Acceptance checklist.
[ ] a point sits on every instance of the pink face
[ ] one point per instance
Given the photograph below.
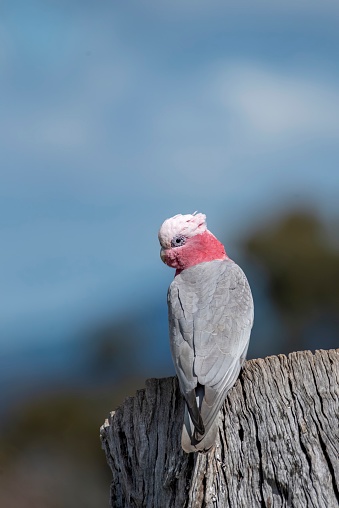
(185, 252)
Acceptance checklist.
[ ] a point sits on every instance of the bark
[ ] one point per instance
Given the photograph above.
(278, 441)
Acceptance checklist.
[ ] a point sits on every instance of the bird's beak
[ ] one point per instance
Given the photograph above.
(163, 255)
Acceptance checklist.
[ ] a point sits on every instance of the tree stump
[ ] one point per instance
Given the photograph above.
(278, 441)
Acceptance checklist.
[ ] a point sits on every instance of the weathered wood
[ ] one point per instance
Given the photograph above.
(278, 444)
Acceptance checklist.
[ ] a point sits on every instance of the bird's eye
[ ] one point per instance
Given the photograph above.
(178, 241)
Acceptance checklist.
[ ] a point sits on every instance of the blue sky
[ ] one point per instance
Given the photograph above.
(116, 115)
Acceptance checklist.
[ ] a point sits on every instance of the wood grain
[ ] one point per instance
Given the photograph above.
(278, 443)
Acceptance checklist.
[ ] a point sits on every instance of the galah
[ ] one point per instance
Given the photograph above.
(210, 310)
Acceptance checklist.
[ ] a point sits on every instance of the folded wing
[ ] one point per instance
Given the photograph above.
(210, 319)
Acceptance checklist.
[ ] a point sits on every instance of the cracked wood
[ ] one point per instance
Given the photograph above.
(278, 443)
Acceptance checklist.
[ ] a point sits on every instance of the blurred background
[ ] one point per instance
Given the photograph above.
(115, 116)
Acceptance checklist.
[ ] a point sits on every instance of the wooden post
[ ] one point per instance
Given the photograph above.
(278, 444)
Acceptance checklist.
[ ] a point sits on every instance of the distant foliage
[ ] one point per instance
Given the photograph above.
(302, 265)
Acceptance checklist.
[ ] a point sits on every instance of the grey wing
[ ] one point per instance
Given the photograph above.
(221, 339)
(211, 315)
(181, 328)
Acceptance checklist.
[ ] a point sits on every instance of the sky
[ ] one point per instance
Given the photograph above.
(117, 115)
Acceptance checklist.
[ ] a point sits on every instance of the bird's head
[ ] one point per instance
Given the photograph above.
(185, 241)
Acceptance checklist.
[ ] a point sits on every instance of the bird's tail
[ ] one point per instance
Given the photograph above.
(195, 435)
(192, 441)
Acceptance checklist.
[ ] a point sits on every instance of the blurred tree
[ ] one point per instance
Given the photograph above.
(302, 265)
(51, 448)
(111, 348)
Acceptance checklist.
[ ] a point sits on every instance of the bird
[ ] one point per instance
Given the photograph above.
(210, 314)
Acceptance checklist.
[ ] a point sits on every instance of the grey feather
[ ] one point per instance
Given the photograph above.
(210, 319)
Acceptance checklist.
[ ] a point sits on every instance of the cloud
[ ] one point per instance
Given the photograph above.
(234, 119)
(278, 105)
(216, 8)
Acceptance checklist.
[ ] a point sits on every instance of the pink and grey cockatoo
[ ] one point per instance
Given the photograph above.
(210, 310)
